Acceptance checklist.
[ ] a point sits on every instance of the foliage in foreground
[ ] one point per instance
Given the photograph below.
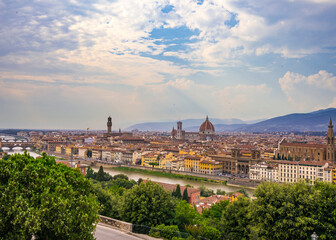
(43, 199)
(281, 211)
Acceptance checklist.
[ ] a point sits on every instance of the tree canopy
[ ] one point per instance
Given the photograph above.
(43, 199)
(147, 204)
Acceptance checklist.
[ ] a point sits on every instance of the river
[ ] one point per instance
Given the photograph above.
(182, 182)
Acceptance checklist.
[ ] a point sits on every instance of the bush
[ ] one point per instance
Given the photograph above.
(166, 232)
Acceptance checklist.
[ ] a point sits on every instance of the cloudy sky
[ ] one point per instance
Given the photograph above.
(71, 64)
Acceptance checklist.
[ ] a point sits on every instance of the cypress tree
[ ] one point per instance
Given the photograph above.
(100, 175)
(178, 192)
(185, 194)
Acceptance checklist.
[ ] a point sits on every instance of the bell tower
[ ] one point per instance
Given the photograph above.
(179, 130)
(109, 125)
(330, 143)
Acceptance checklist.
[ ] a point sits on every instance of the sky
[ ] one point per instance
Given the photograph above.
(71, 64)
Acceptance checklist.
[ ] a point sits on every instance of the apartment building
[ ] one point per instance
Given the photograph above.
(265, 172)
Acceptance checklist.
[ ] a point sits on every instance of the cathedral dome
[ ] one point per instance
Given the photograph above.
(207, 127)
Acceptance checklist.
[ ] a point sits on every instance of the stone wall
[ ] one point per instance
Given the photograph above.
(125, 226)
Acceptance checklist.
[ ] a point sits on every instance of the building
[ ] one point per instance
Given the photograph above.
(109, 125)
(334, 175)
(294, 171)
(265, 172)
(312, 171)
(310, 152)
(97, 154)
(331, 149)
(206, 132)
(192, 163)
(150, 160)
(236, 164)
(210, 167)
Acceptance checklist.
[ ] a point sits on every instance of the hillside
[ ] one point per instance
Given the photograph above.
(313, 121)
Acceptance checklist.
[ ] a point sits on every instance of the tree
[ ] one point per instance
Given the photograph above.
(204, 232)
(109, 201)
(185, 214)
(103, 176)
(89, 153)
(205, 192)
(220, 192)
(185, 195)
(294, 211)
(43, 199)
(166, 232)
(153, 164)
(147, 204)
(235, 219)
(90, 173)
(177, 192)
(214, 213)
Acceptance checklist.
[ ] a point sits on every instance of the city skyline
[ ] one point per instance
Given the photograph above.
(69, 65)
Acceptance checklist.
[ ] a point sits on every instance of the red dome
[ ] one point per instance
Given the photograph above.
(207, 126)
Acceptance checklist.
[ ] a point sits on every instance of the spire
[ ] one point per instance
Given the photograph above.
(207, 117)
(330, 123)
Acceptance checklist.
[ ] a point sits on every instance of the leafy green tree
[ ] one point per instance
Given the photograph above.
(110, 201)
(185, 214)
(120, 176)
(6, 157)
(243, 191)
(153, 164)
(185, 195)
(205, 192)
(220, 192)
(140, 181)
(214, 213)
(294, 211)
(89, 153)
(203, 232)
(147, 204)
(43, 199)
(325, 213)
(235, 219)
(166, 232)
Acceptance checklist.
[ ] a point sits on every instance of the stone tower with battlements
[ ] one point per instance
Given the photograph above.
(109, 125)
(330, 143)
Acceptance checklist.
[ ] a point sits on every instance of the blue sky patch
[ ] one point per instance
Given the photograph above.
(167, 9)
(233, 20)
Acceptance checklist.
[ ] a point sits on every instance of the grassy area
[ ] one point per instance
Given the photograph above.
(169, 175)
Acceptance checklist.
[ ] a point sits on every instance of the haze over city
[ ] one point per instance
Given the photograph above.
(70, 64)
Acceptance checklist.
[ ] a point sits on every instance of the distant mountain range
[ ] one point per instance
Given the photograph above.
(313, 121)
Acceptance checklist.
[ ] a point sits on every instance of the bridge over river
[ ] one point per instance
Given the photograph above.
(10, 144)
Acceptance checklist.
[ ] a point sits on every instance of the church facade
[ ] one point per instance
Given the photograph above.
(312, 152)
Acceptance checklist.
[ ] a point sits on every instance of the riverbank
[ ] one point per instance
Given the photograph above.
(169, 175)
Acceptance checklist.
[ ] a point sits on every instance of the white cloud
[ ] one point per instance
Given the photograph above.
(309, 92)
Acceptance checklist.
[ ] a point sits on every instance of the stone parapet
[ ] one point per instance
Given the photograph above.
(125, 226)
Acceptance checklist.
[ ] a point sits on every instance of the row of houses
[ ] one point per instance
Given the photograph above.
(294, 171)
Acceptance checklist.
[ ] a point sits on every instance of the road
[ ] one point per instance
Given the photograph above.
(106, 233)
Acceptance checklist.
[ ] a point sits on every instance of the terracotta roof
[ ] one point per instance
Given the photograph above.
(308, 145)
(206, 125)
